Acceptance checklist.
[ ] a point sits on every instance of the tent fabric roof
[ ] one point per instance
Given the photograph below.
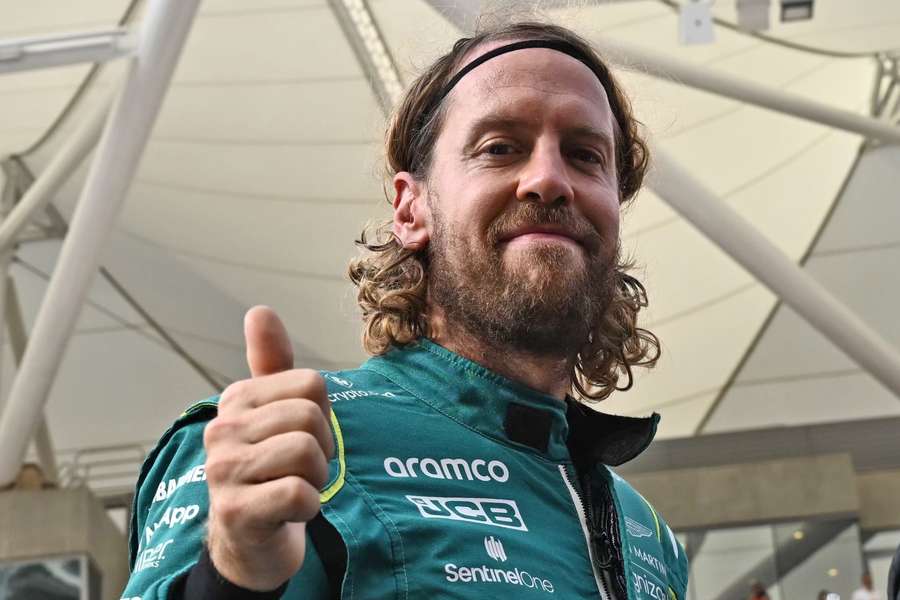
(263, 167)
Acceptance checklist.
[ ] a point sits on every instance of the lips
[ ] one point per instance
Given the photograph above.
(541, 232)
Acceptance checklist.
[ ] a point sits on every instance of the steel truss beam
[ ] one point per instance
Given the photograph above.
(164, 30)
(671, 69)
(886, 91)
(360, 29)
(66, 49)
(463, 13)
(18, 339)
(752, 250)
(37, 196)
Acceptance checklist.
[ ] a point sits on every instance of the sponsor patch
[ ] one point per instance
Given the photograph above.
(494, 548)
(151, 557)
(447, 468)
(339, 380)
(497, 512)
(167, 488)
(173, 516)
(636, 529)
(496, 575)
(351, 394)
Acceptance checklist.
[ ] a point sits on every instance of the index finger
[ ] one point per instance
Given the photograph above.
(296, 383)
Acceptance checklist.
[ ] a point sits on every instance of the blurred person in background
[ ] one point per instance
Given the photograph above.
(758, 591)
(867, 591)
(461, 460)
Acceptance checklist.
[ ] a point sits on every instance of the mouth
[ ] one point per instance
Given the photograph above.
(541, 233)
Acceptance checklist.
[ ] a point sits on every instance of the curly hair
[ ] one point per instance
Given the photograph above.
(393, 281)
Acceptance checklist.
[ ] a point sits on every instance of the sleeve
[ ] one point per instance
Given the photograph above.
(168, 528)
(169, 514)
(677, 561)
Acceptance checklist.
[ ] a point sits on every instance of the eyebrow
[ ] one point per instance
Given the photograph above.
(490, 122)
(501, 121)
(598, 136)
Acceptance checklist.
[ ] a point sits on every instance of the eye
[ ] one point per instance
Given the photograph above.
(588, 155)
(499, 149)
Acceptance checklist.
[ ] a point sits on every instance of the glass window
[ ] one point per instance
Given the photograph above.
(43, 579)
(784, 561)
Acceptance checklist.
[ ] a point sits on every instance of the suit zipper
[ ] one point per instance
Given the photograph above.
(582, 518)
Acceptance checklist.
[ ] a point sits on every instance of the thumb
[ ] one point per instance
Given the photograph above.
(268, 345)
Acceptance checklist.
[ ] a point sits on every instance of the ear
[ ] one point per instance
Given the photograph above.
(412, 215)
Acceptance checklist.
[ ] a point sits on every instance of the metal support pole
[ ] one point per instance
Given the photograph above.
(464, 13)
(54, 176)
(6, 257)
(668, 68)
(165, 28)
(64, 49)
(740, 240)
(18, 339)
(367, 42)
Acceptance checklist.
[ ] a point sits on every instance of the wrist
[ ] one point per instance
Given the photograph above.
(231, 567)
(206, 581)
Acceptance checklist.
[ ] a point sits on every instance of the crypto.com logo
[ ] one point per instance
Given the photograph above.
(494, 548)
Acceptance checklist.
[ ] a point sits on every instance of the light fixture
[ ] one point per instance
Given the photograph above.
(695, 23)
(753, 15)
(832, 572)
(362, 20)
(799, 535)
(796, 10)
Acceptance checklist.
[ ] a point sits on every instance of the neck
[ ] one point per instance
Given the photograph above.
(547, 374)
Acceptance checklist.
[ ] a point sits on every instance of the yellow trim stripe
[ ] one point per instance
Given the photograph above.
(672, 594)
(655, 518)
(329, 492)
(197, 406)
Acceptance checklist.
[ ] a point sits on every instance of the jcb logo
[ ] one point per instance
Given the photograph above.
(488, 511)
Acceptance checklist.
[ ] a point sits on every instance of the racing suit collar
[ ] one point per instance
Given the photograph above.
(511, 412)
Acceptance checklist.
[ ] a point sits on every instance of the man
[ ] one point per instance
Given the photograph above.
(867, 591)
(453, 463)
(758, 591)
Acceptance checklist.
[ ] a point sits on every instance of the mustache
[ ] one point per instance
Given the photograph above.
(532, 214)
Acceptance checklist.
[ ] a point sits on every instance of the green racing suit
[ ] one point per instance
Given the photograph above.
(448, 481)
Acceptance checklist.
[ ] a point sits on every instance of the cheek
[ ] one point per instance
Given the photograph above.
(603, 212)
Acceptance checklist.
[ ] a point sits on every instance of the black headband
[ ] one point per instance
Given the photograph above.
(558, 45)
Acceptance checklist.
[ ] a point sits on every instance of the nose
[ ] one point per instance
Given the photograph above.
(545, 177)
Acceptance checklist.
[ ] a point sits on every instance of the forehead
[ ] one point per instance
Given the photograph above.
(531, 81)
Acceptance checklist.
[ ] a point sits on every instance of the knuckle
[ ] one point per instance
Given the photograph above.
(226, 399)
(233, 389)
(307, 444)
(307, 414)
(313, 382)
(235, 393)
(303, 497)
(295, 492)
(227, 511)
(220, 466)
(220, 429)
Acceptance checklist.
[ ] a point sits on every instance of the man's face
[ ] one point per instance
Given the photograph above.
(524, 203)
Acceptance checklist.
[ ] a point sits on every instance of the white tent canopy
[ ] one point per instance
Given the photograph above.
(263, 167)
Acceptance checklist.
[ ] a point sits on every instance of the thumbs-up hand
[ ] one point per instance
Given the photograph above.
(267, 457)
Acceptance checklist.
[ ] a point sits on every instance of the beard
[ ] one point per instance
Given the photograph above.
(542, 300)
